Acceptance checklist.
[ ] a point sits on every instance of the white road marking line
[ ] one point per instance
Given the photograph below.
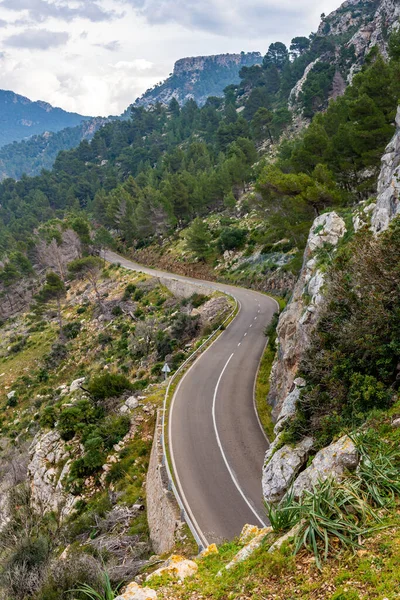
(222, 450)
(245, 334)
(255, 318)
(239, 344)
(251, 325)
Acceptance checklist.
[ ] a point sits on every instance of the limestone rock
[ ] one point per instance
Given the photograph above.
(326, 229)
(249, 532)
(300, 316)
(176, 566)
(136, 592)
(75, 385)
(130, 404)
(281, 470)
(288, 409)
(396, 424)
(333, 461)
(284, 538)
(46, 452)
(211, 549)
(249, 548)
(388, 203)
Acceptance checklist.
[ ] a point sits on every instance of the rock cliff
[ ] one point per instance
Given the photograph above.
(388, 203)
(300, 316)
(199, 77)
(368, 23)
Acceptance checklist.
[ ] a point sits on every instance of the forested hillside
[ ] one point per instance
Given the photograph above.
(39, 152)
(21, 118)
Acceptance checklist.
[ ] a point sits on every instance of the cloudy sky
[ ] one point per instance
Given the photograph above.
(96, 56)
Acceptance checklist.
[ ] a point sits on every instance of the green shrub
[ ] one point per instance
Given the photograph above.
(232, 238)
(108, 385)
(57, 354)
(117, 311)
(71, 330)
(197, 300)
(74, 419)
(129, 290)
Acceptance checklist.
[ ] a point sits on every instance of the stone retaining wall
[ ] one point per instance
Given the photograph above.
(163, 513)
(185, 289)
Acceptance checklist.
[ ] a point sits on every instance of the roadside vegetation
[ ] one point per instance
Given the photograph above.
(110, 330)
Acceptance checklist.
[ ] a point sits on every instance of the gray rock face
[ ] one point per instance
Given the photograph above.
(281, 470)
(372, 22)
(333, 461)
(47, 451)
(297, 321)
(388, 203)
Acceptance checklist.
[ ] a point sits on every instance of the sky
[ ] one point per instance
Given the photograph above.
(95, 57)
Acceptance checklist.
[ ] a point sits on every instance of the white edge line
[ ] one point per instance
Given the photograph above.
(254, 395)
(221, 448)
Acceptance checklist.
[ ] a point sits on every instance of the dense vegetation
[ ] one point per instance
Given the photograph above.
(145, 176)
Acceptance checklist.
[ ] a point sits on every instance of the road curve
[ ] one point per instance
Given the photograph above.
(216, 442)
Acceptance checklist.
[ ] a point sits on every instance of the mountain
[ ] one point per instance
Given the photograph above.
(39, 152)
(199, 77)
(20, 118)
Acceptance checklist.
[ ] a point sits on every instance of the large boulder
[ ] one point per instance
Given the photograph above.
(333, 461)
(282, 468)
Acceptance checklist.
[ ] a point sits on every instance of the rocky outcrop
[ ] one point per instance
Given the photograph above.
(368, 24)
(210, 312)
(280, 471)
(283, 471)
(198, 78)
(294, 94)
(298, 320)
(288, 409)
(49, 464)
(388, 202)
(334, 462)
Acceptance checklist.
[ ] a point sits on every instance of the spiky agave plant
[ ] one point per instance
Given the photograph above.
(333, 512)
(108, 593)
(285, 515)
(379, 469)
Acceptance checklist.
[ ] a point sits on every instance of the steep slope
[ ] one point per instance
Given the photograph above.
(21, 118)
(199, 77)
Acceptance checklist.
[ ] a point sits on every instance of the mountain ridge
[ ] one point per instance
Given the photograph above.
(21, 117)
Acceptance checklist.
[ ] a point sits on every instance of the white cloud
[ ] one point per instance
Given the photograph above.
(97, 56)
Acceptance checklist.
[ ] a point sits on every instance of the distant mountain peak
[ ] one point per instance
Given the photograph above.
(199, 77)
(22, 118)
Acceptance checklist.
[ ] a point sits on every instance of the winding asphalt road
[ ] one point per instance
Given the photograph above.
(216, 442)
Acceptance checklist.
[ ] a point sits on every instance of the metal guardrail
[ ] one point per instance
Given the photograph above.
(171, 484)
